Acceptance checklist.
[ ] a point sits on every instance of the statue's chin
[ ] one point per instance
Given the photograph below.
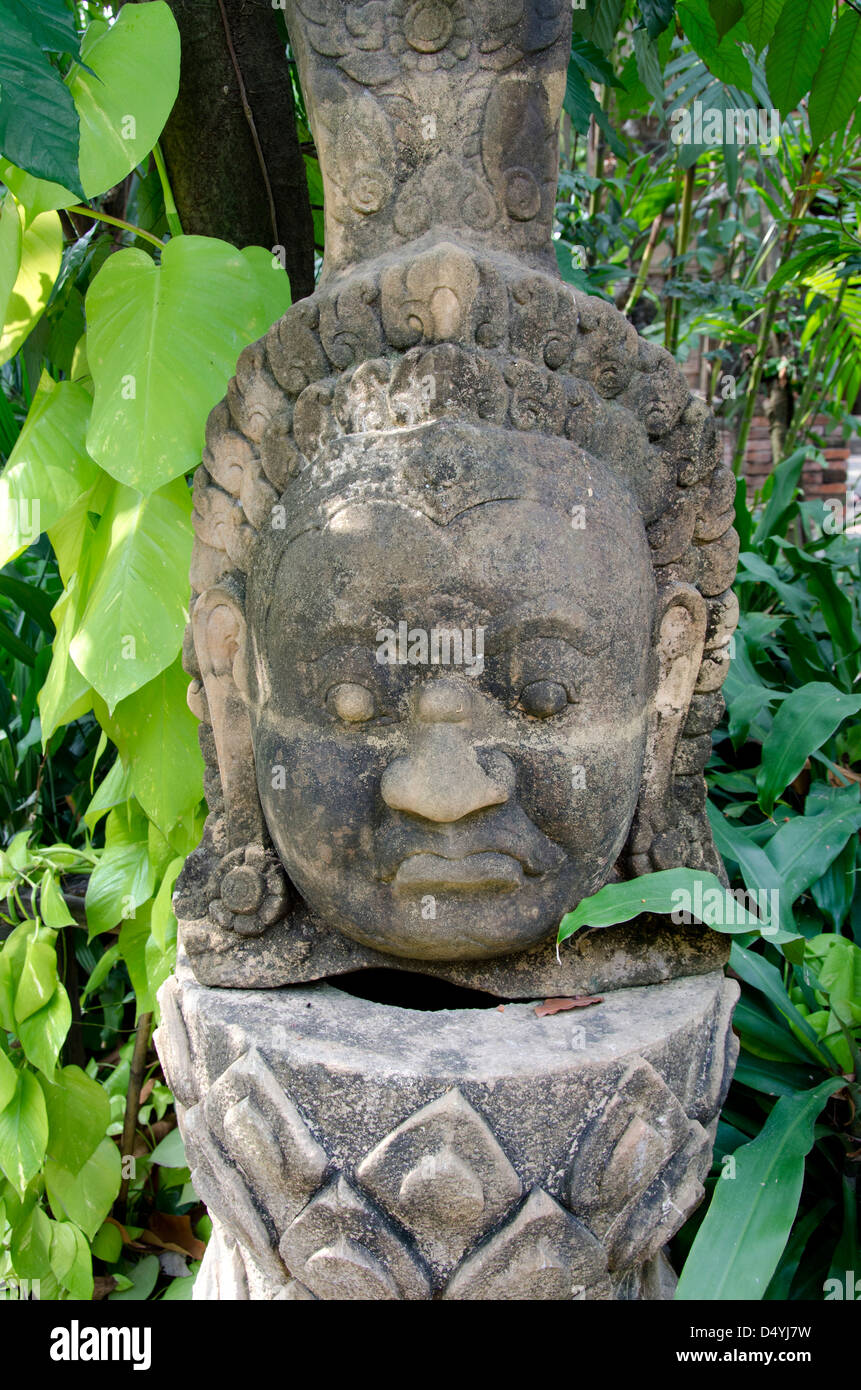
(447, 910)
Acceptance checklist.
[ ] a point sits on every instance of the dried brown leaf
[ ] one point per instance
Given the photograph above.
(558, 1006)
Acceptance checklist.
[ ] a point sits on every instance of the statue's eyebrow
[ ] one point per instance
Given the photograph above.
(550, 615)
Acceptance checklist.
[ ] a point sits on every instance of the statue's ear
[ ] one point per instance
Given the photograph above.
(220, 639)
(680, 639)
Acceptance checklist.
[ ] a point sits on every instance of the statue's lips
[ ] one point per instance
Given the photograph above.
(475, 873)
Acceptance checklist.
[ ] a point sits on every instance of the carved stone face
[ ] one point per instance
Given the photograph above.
(455, 809)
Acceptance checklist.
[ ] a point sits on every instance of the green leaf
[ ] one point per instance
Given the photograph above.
(649, 66)
(156, 734)
(11, 237)
(756, 971)
(135, 613)
(737, 1248)
(802, 849)
(87, 1196)
(126, 98)
(108, 1243)
(113, 789)
(120, 883)
(760, 17)
(41, 257)
(35, 195)
(104, 965)
(179, 1289)
(723, 57)
(79, 1113)
(838, 965)
(725, 14)
(162, 344)
(657, 14)
(52, 905)
(806, 718)
(49, 465)
(71, 1260)
(38, 120)
(38, 979)
(65, 694)
(31, 1245)
(692, 891)
(795, 50)
(273, 282)
(134, 938)
(8, 1080)
(580, 104)
(599, 21)
(44, 1032)
(144, 1274)
(782, 503)
(592, 62)
(170, 1151)
(163, 922)
(23, 1132)
(50, 26)
(836, 84)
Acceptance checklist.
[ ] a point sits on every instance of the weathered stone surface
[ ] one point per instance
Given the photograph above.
(414, 1154)
(460, 615)
(542, 1254)
(639, 953)
(444, 1176)
(447, 438)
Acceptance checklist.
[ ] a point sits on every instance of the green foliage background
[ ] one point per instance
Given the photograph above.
(119, 335)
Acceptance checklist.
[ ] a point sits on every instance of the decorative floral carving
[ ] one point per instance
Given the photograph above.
(250, 891)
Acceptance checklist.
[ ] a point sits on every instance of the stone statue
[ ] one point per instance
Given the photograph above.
(461, 612)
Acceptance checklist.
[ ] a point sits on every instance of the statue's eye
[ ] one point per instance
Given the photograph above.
(543, 699)
(350, 702)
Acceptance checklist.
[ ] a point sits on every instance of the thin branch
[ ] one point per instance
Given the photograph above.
(133, 1102)
(249, 116)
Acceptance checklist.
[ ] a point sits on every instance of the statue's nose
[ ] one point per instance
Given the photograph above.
(441, 778)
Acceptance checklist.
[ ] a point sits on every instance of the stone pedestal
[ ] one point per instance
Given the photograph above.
(348, 1149)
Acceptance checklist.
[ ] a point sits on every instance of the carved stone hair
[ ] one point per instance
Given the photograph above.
(471, 336)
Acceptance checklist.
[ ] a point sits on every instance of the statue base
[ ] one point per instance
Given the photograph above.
(353, 1149)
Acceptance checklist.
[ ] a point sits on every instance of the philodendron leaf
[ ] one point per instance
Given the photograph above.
(86, 1196)
(135, 611)
(700, 896)
(162, 344)
(739, 1244)
(41, 256)
(11, 235)
(121, 881)
(155, 732)
(23, 1132)
(126, 97)
(49, 468)
(44, 1032)
(79, 1113)
(71, 1260)
(38, 120)
(804, 720)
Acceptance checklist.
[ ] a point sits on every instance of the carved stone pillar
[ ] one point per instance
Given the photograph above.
(460, 615)
(353, 1150)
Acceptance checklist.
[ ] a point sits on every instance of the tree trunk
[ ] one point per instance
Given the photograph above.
(230, 145)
